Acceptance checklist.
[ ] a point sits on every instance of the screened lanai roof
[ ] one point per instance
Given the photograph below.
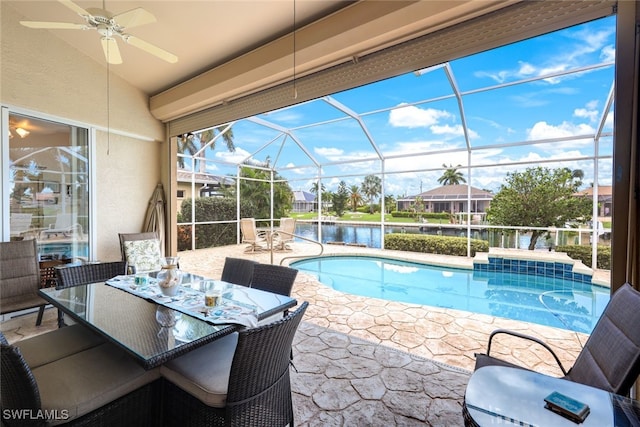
(544, 101)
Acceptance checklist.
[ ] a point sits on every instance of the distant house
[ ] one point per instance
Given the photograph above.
(448, 198)
(206, 185)
(605, 198)
(303, 201)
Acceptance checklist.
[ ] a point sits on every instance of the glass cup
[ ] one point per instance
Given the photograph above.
(141, 279)
(212, 294)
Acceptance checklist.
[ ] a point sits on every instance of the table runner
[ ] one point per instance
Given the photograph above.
(190, 301)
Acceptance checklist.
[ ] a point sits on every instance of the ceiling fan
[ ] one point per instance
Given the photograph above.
(109, 26)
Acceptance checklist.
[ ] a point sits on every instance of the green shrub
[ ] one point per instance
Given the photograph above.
(583, 253)
(430, 215)
(433, 244)
(211, 209)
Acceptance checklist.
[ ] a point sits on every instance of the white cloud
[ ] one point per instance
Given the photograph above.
(584, 113)
(543, 130)
(236, 156)
(412, 117)
(570, 57)
(328, 151)
(455, 130)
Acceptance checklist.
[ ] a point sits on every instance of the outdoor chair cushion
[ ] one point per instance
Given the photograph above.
(15, 303)
(88, 380)
(57, 344)
(204, 372)
(145, 255)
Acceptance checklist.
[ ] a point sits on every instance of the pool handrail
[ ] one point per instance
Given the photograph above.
(293, 235)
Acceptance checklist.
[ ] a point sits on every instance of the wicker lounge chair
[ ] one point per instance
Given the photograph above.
(610, 359)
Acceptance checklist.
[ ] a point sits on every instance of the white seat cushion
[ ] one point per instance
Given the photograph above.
(204, 372)
(85, 381)
(58, 343)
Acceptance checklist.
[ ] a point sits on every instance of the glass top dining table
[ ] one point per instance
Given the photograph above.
(151, 332)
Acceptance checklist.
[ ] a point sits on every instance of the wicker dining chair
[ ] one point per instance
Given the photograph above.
(88, 273)
(238, 271)
(258, 392)
(77, 275)
(274, 278)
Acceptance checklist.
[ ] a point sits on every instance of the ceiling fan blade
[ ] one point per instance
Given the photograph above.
(134, 18)
(148, 47)
(54, 25)
(77, 9)
(111, 51)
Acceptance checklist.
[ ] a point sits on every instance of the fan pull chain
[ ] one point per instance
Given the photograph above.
(295, 89)
(108, 108)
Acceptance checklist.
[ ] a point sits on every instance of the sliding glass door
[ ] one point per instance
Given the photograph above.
(47, 186)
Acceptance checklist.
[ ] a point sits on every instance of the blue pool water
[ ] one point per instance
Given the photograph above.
(546, 301)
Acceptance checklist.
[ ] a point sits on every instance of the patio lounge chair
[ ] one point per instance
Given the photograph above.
(283, 236)
(250, 235)
(64, 225)
(610, 359)
(20, 225)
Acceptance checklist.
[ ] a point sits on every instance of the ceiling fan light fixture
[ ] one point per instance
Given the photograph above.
(109, 26)
(22, 132)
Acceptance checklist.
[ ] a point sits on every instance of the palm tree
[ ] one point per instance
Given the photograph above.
(371, 187)
(451, 176)
(193, 142)
(389, 203)
(355, 198)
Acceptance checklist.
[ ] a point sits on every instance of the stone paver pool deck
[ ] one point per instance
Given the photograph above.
(444, 335)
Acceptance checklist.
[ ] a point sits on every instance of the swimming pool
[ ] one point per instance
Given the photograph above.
(543, 300)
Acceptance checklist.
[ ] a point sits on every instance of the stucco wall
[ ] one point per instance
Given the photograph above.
(42, 74)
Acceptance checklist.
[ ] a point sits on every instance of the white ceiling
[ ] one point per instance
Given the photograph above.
(203, 34)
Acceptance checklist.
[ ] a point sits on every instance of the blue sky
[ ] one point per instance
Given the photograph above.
(416, 123)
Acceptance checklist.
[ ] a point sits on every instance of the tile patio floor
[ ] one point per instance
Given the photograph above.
(362, 361)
